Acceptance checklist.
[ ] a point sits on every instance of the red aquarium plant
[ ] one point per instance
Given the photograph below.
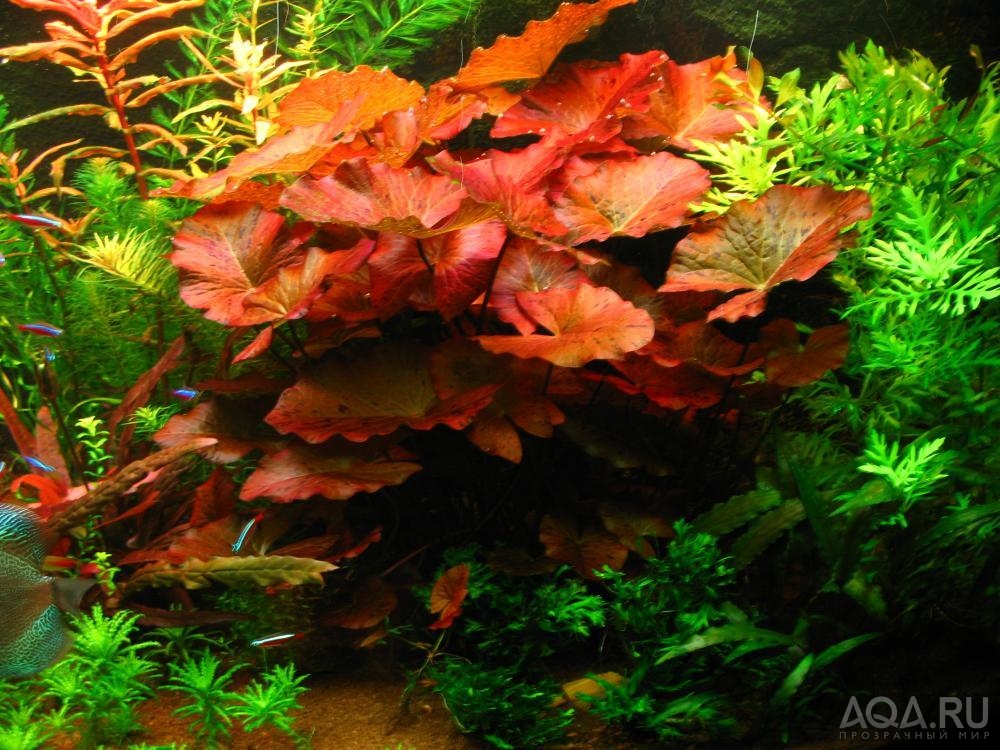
(419, 285)
(98, 41)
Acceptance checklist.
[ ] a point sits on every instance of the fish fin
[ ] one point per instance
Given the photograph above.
(67, 593)
(41, 644)
(21, 534)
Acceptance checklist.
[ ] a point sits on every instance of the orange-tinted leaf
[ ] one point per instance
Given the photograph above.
(586, 550)
(528, 266)
(585, 323)
(694, 103)
(670, 387)
(513, 184)
(631, 525)
(494, 435)
(376, 196)
(317, 100)
(293, 152)
(792, 364)
(226, 252)
(372, 600)
(235, 424)
(448, 594)
(787, 234)
(376, 393)
(632, 197)
(702, 345)
(584, 99)
(461, 263)
(288, 294)
(337, 472)
(528, 56)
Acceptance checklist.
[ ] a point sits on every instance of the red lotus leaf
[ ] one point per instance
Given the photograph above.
(586, 549)
(695, 102)
(513, 184)
(443, 114)
(288, 294)
(458, 365)
(348, 297)
(293, 152)
(631, 197)
(214, 498)
(792, 364)
(376, 196)
(226, 252)
(461, 264)
(631, 525)
(380, 391)
(235, 424)
(318, 100)
(214, 539)
(528, 56)
(702, 345)
(448, 594)
(336, 472)
(372, 600)
(585, 323)
(583, 99)
(787, 234)
(675, 388)
(527, 266)
(629, 284)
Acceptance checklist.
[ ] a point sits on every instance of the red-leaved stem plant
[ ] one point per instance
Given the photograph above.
(83, 42)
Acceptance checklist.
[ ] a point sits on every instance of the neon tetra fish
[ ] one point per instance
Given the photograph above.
(32, 632)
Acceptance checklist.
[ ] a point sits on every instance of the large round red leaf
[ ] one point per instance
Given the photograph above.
(226, 252)
(787, 234)
(375, 393)
(299, 472)
(587, 549)
(585, 323)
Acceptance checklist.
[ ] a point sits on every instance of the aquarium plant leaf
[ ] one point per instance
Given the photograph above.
(138, 395)
(587, 549)
(289, 293)
(601, 198)
(529, 266)
(528, 56)
(445, 272)
(731, 633)
(708, 100)
(704, 346)
(791, 363)
(235, 425)
(375, 393)
(765, 531)
(675, 387)
(232, 571)
(214, 498)
(623, 451)
(787, 234)
(376, 196)
(226, 252)
(372, 600)
(724, 517)
(513, 184)
(584, 100)
(632, 524)
(336, 472)
(584, 324)
(318, 100)
(448, 595)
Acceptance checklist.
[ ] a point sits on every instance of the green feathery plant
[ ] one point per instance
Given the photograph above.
(270, 701)
(206, 687)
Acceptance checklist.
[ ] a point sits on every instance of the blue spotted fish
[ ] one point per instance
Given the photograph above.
(32, 632)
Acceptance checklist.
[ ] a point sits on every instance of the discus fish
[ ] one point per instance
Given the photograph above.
(32, 632)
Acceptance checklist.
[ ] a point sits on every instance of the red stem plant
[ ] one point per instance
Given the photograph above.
(81, 43)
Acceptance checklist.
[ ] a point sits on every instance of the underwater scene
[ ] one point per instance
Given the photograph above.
(499, 374)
